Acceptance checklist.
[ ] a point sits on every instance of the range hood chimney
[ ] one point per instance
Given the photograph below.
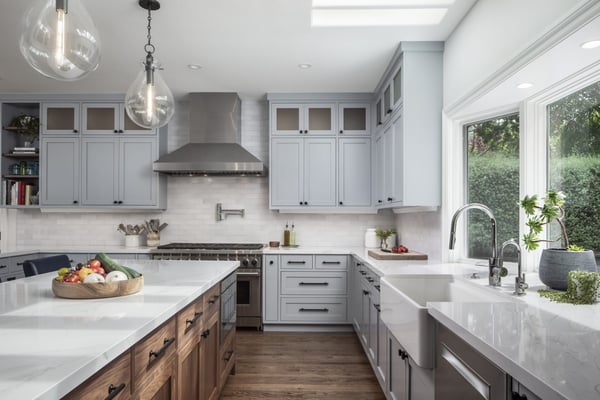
(215, 137)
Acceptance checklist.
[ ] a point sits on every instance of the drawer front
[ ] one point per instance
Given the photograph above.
(152, 351)
(189, 323)
(314, 310)
(212, 301)
(114, 379)
(297, 261)
(331, 262)
(313, 283)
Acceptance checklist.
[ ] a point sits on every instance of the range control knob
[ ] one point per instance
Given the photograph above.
(245, 262)
(254, 262)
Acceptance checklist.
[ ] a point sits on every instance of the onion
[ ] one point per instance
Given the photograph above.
(115, 276)
(93, 278)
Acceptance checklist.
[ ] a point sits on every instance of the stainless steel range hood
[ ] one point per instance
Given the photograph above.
(215, 136)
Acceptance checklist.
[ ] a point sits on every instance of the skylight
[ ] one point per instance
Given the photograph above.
(378, 12)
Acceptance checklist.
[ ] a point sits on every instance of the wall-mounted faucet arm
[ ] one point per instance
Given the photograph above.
(223, 213)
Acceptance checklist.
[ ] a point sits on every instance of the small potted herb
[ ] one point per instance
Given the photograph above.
(27, 126)
(555, 263)
(384, 235)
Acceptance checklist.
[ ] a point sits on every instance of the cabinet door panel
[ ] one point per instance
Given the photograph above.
(286, 172)
(60, 172)
(270, 289)
(354, 119)
(287, 119)
(99, 184)
(388, 165)
(319, 172)
(355, 172)
(100, 118)
(398, 373)
(379, 178)
(138, 183)
(60, 118)
(320, 119)
(398, 161)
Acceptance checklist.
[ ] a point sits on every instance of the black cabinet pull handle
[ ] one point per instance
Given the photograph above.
(6, 266)
(313, 283)
(296, 262)
(389, 199)
(113, 391)
(378, 287)
(228, 355)
(380, 201)
(379, 123)
(166, 344)
(370, 280)
(314, 309)
(363, 273)
(517, 396)
(192, 321)
(205, 333)
(377, 307)
(332, 262)
(12, 278)
(213, 300)
(403, 354)
(366, 292)
(358, 264)
(389, 112)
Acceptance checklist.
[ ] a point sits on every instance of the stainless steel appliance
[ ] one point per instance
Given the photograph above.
(248, 288)
(228, 305)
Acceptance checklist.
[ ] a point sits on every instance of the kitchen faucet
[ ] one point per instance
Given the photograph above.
(222, 213)
(520, 284)
(493, 262)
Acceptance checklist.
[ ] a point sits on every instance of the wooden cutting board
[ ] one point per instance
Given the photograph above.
(382, 255)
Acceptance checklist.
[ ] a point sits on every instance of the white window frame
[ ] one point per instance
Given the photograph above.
(533, 159)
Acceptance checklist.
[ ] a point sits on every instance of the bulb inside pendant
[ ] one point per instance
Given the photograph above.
(149, 101)
(60, 40)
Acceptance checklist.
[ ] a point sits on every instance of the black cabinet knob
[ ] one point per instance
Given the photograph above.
(115, 131)
(115, 202)
(306, 203)
(380, 201)
(389, 199)
(379, 123)
(75, 202)
(305, 131)
(301, 203)
(341, 131)
(389, 111)
(75, 131)
(341, 203)
(300, 131)
(271, 262)
(120, 201)
(403, 354)
(120, 130)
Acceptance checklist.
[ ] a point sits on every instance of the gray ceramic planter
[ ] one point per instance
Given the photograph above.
(555, 265)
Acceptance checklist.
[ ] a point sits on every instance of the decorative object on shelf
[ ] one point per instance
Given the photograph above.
(371, 241)
(555, 263)
(149, 101)
(133, 234)
(153, 228)
(387, 237)
(28, 126)
(60, 40)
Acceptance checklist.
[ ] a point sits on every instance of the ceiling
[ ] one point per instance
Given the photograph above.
(248, 46)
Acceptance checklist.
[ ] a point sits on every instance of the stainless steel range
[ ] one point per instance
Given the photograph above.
(249, 304)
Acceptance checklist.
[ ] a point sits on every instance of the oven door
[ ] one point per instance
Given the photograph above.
(248, 293)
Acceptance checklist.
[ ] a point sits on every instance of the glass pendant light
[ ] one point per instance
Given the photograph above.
(60, 40)
(149, 101)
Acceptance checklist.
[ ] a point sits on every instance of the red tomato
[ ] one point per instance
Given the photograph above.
(95, 264)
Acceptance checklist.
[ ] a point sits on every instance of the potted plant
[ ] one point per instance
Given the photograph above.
(384, 234)
(555, 263)
(27, 126)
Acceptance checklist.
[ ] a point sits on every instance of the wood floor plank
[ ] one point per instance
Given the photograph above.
(282, 366)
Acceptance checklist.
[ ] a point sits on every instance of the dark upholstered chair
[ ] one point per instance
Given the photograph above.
(45, 264)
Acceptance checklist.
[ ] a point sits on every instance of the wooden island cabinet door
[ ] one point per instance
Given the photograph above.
(161, 383)
(209, 370)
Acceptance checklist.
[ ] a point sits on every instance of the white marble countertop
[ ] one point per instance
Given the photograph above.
(78, 249)
(48, 345)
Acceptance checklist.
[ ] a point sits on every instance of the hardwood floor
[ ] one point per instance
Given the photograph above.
(282, 366)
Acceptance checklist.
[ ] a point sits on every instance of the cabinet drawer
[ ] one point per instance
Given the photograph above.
(212, 301)
(298, 261)
(115, 379)
(227, 360)
(313, 310)
(154, 350)
(331, 262)
(311, 283)
(189, 323)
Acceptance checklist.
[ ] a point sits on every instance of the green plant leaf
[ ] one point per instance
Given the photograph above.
(529, 204)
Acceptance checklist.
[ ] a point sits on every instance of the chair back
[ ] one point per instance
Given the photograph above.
(45, 264)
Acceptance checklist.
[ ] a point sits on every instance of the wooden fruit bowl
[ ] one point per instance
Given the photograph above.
(97, 290)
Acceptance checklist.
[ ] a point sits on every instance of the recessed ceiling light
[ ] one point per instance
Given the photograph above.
(194, 66)
(377, 16)
(524, 85)
(592, 44)
(304, 66)
(379, 3)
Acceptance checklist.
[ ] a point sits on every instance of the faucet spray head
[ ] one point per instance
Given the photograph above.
(452, 240)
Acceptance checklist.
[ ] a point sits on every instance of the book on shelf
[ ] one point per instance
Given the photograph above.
(25, 149)
(17, 193)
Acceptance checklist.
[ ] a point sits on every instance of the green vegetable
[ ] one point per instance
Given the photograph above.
(109, 266)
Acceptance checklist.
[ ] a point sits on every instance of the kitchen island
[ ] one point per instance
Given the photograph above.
(49, 345)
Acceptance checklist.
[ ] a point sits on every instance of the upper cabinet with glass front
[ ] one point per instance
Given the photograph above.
(109, 118)
(354, 119)
(303, 119)
(60, 118)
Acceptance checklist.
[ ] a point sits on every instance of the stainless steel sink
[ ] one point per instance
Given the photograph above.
(404, 301)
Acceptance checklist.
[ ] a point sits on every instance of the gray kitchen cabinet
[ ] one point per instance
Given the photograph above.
(355, 295)
(59, 171)
(521, 392)
(398, 370)
(303, 119)
(302, 172)
(354, 172)
(388, 167)
(461, 372)
(305, 289)
(11, 268)
(99, 170)
(138, 185)
(408, 105)
(421, 382)
(60, 118)
(109, 119)
(354, 119)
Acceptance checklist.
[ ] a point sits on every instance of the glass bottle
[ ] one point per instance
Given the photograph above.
(292, 236)
(286, 235)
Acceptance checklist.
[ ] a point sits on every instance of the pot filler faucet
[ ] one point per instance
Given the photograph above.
(493, 261)
(223, 213)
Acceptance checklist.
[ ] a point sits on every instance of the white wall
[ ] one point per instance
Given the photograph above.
(192, 202)
(492, 34)
(421, 232)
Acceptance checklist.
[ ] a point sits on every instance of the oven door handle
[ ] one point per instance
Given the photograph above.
(248, 273)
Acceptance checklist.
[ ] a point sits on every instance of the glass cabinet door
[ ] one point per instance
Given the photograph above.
(60, 118)
(397, 87)
(286, 119)
(354, 119)
(319, 119)
(387, 101)
(128, 126)
(101, 118)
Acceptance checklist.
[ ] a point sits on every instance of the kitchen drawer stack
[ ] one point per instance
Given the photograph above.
(306, 289)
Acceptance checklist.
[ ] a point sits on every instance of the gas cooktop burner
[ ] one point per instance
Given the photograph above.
(211, 246)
